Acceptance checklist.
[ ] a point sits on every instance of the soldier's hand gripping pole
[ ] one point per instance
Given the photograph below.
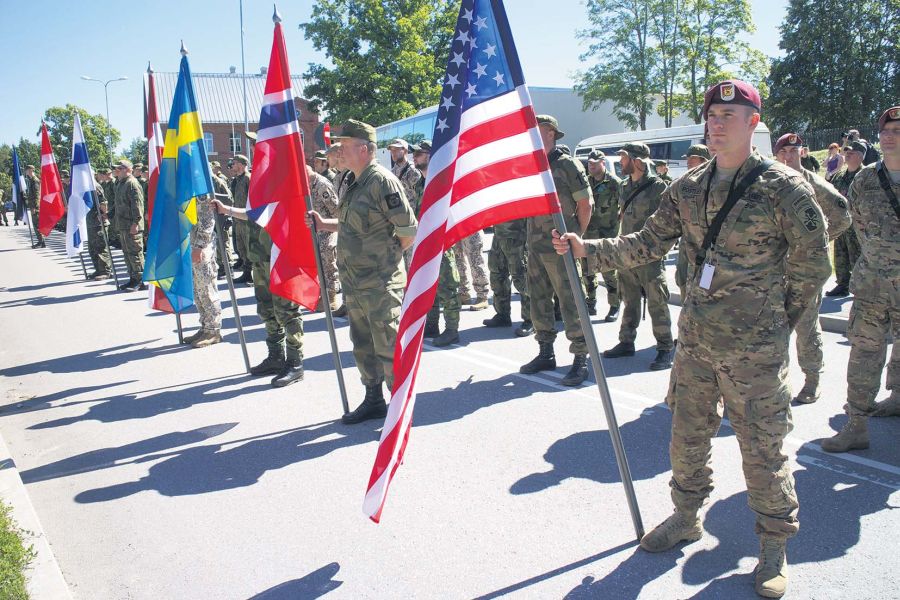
(329, 319)
(220, 242)
(600, 376)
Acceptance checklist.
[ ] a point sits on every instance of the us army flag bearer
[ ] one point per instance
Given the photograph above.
(82, 192)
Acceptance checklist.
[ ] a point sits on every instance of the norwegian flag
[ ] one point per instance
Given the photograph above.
(52, 206)
(488, 166)
(278, 189)
(326, 133)
(156, 298)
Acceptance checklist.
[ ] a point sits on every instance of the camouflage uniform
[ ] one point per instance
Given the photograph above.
(342, 181)
(507, 261)
(325, 202)
(223, 186)
(109, 192)
(546, 270)
(240, 189)
(32, 193)
(651, 276)
(374, 212)
(846, 246)
(130, 211)
(470, 249)
(410, 177)
(330, 175)
(96, 243)
(206, 293)
(771, 259)
(604, 223)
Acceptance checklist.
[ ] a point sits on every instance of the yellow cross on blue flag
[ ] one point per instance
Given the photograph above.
(183, 176)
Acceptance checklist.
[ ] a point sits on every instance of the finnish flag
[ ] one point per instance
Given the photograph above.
(81, 195)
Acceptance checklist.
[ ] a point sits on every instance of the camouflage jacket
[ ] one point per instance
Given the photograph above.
(325, 202)
(100, 205)
(843, 179)
(605, 218)
(641, 206)
(342, 181)
(770, 258)
(374, 212)
(876, 276)
(32, 191)
(571, 187)
(129, 204)
(329, 174)
(832, 203)
(203, 231)
(409, 176)
(240, 189)
(224, 189)
(512, 230)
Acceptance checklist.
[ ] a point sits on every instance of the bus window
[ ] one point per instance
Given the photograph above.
(659, 151)
(679, 148)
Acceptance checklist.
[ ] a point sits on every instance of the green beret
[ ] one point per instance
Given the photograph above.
(357, 129)
(552, 122)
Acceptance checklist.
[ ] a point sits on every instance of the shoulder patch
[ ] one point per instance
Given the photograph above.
(393, 200)
(807, 214)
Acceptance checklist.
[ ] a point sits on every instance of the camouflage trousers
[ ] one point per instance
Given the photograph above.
(281, 317)
(846, 253)
(470, 249)
(206, 292)
(870, 323)
(447, 294)
(547, 276)
(752, 387)
(133, 249)
(507, 265)
(35, 219)
(652, 279)
(328, 251)
(242, 240)
(374, 317)
(681, 272)
(97, 248)
(590, 268)
(809, 338)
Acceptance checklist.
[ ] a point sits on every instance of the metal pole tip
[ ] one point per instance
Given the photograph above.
(276, 16)
(184, 51)
(149, 68)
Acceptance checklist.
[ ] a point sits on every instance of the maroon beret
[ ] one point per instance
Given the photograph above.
(788, 139)
(732, 91)
(891, 114)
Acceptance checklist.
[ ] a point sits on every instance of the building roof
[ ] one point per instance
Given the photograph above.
(220, 96)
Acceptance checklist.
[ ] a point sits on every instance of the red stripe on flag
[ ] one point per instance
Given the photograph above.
(498, 172)
(497, 129)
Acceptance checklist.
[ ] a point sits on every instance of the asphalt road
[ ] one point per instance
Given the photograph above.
(158, 471)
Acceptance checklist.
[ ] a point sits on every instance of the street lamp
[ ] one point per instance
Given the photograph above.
(108, 124)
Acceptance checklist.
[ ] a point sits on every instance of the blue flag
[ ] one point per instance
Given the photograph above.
(18, 190)
(81, 192)
(183, 176)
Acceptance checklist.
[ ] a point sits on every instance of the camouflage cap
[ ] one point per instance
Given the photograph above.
(251, 135)
(29, 167)
(856, 147)
(242, 159)
(399, 143)
(552, 122)
(216, 164)
(698, 150)
(891, 114)
(139, 165)
(423, 146)
(786, 141)
(321, 155)
(596, 156)
(334, 147)
(635, 150)
(661, 163)
(103, 171)
(124, 163)
(357, 129)
(732, 91)
(64, 173)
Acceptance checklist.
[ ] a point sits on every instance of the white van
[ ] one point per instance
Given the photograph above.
(669, 144)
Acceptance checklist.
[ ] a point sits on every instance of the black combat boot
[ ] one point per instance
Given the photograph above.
(432, 329)
(578, 373)
(498, 320)
(291, 372)
(372, 407)
(272, 364)
(245, 277)
(612, 315)
(619, 350)
(838, 291)
(544, 361)
(525, 329)
(663, 360)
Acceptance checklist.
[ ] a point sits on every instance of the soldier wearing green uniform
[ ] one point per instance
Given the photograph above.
(546, 271)
(33, 203)
(639, 199)
(875, 206)
(240, 189)
(604, 224)
(227, 224)
(223, 193)
(320, 166)
(748, 285)
(662, 170)
(697, 155)
(96, 224)
(129, 222)
(507, 260)
(376, 223)
(107, 180)
(846, 247)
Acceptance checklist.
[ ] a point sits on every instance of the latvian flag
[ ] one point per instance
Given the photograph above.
(487, 166)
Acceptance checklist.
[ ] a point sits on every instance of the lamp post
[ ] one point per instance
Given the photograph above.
(106, 95)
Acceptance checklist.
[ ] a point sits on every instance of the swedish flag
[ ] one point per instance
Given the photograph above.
(183, 176)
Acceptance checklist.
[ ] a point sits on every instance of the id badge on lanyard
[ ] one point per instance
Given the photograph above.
(706, 275)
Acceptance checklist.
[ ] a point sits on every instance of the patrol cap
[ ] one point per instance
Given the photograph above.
(788, 140)
(357, 129)
(552, 122)
(251, 135)
(216, 164)
(64, 173)
(423, 146)
(856, 147)
(732, 91)
(334, 147)
(698, 150)
(103, 171)
(596, 156)
(661, 163)
(124, 163)
(891, 114)
(242, 159)
(29, 167)
(321, 155)
(399, 143)
(139, 165)
(635, 150)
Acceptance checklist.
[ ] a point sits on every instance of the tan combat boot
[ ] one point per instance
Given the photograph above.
(771, 572)
(853, 436)
(810, 392)
(332, 301)
(481, 303)
(889, 407)
(680, 527)
(207, 338)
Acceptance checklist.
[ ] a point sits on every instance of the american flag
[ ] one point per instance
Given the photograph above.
(156, 298)
(487, 166)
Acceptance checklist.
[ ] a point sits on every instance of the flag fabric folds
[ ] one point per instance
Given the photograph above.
(51, 204)
(156, 298)
(18, 190)
(280, 185)
(183, 175)
(82, 192)
(487, 166)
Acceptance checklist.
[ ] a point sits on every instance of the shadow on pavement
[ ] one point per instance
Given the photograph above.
(316, 584)
(628, 578)
(45, 402)
(114, 356)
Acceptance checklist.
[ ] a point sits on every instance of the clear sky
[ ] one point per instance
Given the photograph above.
(47, 45)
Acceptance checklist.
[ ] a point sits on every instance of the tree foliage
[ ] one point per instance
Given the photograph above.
(841, 65)
(137, 151)
(60, 122)
(29, 154)
(388, 57)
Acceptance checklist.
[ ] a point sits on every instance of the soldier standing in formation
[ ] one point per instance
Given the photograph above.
(376, 223)
(639, 199)
(96, 224)
(203, 268)
(325, 202)
(834, 206)
(129, 221)
(222, 186)
(875, 208)
(662, 170)
(507, 261)
(846, 247)
(547, 274)
(604, 224)
(33, 203)
(320, 166)
(697, 155)
(753, 271)
(240, 188)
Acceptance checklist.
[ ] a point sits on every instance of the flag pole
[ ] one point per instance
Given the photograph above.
(178, 325)
(83, 268)
(112, 261)
(602, 385)
(220, 241)
(329, 318)
(26, 216)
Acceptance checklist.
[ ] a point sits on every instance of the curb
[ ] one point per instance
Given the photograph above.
(45, 579)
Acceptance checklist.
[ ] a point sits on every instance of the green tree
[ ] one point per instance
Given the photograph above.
(137, 151)
(388, 57)
(666, 26)
(841, 65)
(60, 122)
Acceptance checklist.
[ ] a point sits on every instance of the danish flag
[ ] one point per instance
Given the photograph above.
(52, 207)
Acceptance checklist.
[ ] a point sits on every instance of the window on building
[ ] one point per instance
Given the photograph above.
(235, 143)
(208, 142)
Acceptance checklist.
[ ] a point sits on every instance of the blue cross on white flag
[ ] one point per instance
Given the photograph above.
(82, 193)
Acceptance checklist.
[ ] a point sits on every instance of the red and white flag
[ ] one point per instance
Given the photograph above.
(52, 206)
(326, 134)
(155, 141)
(280, 184)
(488, 166)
